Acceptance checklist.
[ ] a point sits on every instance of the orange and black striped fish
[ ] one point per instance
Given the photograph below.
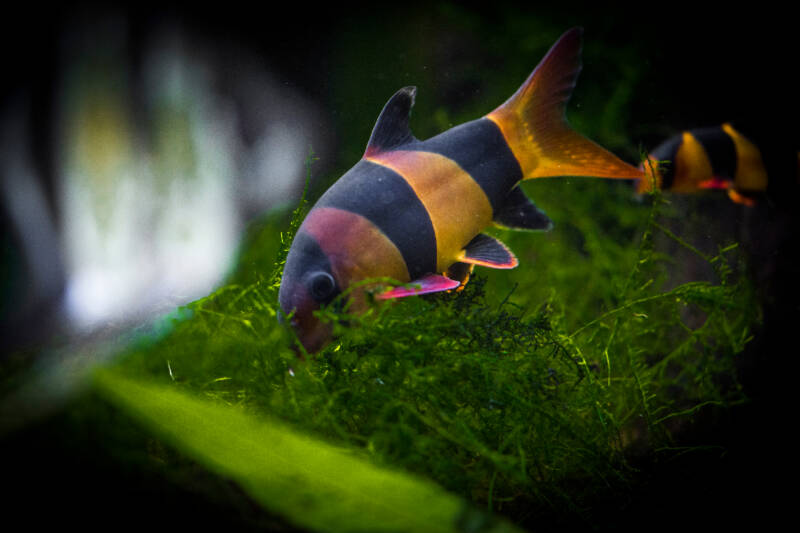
(415, 210)
(708, 158)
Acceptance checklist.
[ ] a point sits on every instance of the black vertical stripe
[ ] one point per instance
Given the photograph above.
(720, 149)
(383, 197)
(481, 150)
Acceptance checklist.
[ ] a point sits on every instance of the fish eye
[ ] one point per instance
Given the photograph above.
(322, 286)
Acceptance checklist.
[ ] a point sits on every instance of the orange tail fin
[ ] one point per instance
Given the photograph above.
(534, 124)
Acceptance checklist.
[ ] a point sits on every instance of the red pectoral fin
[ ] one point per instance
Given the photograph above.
(426, 284)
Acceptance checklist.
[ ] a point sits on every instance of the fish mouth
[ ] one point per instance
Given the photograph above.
(315, 339)
(312, 334)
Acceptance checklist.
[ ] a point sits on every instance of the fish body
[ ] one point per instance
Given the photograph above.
(413, 210)
(708, 158)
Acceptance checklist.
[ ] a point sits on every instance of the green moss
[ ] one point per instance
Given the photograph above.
(535, 395)
(551, 393)
(545, 393)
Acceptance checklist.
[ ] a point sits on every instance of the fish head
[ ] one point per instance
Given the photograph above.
(335, 251)
(308, 284)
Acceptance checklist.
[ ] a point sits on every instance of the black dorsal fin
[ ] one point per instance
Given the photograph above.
(392, 130)
(518, 212)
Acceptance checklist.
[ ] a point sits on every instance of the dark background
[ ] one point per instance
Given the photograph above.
(698, 68)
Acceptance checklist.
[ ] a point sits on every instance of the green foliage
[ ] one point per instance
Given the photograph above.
(314, 485)
(539, 394)
(529, 395)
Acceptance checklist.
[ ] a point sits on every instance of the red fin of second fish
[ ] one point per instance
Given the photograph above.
(715, 183)
(424, 285)
(534, 123)
(487, 251)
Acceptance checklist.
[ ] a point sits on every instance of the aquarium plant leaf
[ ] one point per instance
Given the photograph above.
(311, 483)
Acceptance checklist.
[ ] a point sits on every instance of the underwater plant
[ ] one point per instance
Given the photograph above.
(551, 395)
(520, 407)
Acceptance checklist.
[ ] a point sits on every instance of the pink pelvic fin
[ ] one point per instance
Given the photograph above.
(426, 284)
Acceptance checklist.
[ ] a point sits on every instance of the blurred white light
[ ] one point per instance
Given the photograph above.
(156, 170)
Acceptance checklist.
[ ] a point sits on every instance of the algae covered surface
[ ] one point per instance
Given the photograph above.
(601, 381)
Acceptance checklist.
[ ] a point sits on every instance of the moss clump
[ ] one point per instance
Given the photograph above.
(500, 399)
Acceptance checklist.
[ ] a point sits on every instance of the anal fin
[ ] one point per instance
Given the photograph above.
(487, 251)
(519, 213)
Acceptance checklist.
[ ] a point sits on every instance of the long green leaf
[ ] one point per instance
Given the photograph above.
(311, 483)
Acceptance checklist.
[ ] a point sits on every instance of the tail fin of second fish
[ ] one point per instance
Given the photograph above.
(534, 124)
